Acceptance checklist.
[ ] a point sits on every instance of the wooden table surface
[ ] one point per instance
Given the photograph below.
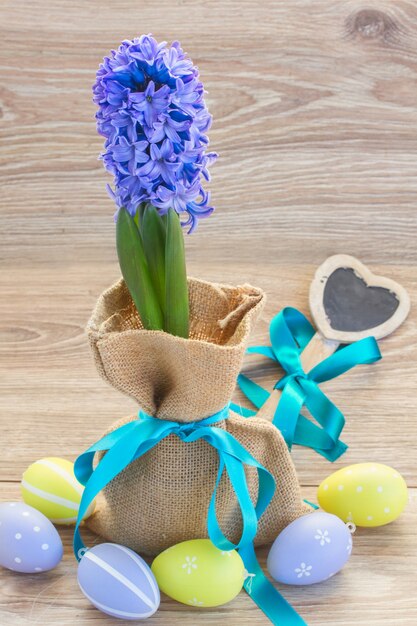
(315, 119)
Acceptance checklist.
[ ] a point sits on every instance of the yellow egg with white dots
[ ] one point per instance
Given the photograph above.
(367, 494)
(197, 573)
(50, 486)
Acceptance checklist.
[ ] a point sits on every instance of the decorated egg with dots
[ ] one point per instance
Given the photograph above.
(118, 582)
(368, 494)
(29, 543)
(50, 486)
(196, 573)
(311, 549)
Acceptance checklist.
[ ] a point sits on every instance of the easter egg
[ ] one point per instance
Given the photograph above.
(118, 582)
(197, 573)
(50, 486)
(367, 494)
(311, 549)
(29, 543)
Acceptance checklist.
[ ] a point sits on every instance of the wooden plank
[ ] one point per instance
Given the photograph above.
(316, 124)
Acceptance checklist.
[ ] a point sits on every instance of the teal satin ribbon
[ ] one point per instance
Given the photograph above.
(132, 440)
(290, 332)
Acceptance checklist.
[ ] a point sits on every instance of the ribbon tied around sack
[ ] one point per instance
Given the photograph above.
(290, 332)
(132, 440)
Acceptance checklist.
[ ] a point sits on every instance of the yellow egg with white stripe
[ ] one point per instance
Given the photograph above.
(50, 486)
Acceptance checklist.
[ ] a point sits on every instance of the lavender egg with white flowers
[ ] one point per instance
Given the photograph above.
(29, 543)
(118, 582)
(310, 550)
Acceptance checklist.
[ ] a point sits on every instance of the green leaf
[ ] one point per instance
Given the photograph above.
(176, 312)
(135, 271)
(153, 237)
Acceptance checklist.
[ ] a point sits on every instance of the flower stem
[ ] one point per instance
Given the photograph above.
(176, 287)
(154, 241)
(135, 271)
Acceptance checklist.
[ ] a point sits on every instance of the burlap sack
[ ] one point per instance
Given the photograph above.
(162, 498)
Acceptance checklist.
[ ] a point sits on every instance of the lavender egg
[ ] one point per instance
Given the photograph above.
(29, 543)
(117, 581)
(311, 549)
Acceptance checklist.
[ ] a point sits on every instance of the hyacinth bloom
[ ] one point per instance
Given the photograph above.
(152, 113)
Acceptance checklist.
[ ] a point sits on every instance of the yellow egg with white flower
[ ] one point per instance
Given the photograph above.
(197, 573)
(367, 494)
(50, 486)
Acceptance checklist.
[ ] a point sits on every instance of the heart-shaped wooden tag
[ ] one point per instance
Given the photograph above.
(348, 302)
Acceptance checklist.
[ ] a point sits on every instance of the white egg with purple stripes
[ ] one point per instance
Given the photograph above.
(29, 543)
(118, 582)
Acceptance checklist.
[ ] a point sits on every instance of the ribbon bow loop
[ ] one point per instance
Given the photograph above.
(290, 332)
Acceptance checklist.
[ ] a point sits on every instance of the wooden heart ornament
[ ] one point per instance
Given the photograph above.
(348, 302)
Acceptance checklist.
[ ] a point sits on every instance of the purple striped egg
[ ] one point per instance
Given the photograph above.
(117, 581)
(29, 543)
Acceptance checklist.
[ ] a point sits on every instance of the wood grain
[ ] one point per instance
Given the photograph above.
(316, 124)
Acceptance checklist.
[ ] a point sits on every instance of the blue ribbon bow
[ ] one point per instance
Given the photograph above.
(132, 440)
(290, 332)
